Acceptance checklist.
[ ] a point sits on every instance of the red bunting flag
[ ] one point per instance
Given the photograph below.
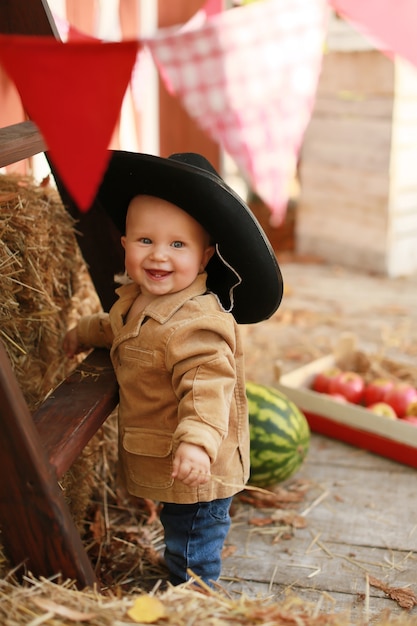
(248, 76)
(73, 92)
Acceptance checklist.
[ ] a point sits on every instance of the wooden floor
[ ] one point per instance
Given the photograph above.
(361, 522)
(361, 509)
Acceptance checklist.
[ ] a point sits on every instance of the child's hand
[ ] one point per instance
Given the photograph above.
(191, 465)
(71, 343)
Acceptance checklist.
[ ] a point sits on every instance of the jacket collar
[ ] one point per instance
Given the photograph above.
(163, 307)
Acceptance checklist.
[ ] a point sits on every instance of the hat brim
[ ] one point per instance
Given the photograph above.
(206, 197)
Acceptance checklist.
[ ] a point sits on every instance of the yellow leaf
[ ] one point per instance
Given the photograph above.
(147, 609)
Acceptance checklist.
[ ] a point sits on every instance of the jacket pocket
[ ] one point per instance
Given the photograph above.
(148, 457)
(134, 353)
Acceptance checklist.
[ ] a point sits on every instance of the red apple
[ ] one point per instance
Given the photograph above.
(322, 379)
(384, 409)
(400, 397)
(348, 384)
(411, 419)
(376, 389)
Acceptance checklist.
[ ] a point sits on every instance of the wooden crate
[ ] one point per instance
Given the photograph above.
(358, 199)
(395, 439)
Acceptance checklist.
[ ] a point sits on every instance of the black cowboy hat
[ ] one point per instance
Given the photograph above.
(244, 273)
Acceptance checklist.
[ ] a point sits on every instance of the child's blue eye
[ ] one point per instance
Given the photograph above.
(145, 240)
(177, 244)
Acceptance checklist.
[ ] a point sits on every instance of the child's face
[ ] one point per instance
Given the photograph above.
(165, 248)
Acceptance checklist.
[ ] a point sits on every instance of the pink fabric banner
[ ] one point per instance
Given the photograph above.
(391, 24)
(73, 92)
(248, 76)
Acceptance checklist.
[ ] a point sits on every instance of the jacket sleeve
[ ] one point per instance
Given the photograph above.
(201, 355)
(95, 331)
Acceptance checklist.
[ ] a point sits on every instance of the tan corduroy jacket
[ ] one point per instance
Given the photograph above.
(180, 370)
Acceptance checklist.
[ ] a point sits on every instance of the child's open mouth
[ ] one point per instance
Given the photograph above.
(157, 274)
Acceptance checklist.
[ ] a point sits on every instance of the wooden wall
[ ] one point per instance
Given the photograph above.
(342, 213)
(358, 200)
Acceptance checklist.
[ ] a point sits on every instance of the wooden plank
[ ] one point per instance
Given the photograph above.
(371, 187)
(37, 528)
(20, 141)
(362, 73)
(321, 221)
(79, 405)
(27, 18)
(352, 206)
(341, 104)
(330, 567)
(339, 251)
(346, 136)
(351, 131)
(350, 606)
(368, 157)
(371, 183)
(349, 236)
(351, 531)
(279, 570)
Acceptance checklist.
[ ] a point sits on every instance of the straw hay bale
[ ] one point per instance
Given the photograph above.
(45, 602)
(43, 283)
(44, 288)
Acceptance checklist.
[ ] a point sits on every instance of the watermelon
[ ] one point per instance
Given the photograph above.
(279, 435)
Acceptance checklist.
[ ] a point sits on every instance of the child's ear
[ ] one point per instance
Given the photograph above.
(123, 241)
(208, 253)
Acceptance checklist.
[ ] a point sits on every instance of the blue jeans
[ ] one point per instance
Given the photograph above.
(194, 538)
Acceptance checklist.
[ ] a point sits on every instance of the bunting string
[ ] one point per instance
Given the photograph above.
(248, 76)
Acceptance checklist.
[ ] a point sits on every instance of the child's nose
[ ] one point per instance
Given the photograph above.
(159, 252)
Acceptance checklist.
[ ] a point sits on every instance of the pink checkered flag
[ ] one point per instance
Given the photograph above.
(248, 76)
